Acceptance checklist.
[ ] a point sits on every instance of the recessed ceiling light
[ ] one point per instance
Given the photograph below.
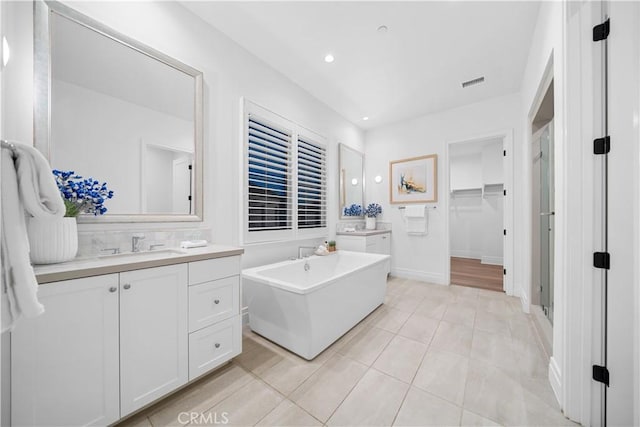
(329, 58)
(365, 118)
(382, 29)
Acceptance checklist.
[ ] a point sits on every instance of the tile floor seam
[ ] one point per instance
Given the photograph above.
(345, 396)
(400, 407)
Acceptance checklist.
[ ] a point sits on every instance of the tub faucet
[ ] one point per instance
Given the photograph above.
(135, 242)
(301, 248)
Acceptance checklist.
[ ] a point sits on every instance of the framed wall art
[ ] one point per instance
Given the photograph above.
(414, 180)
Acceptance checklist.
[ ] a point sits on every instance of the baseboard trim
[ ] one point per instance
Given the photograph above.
(492, 260)
(423, 276)
(555, 378)
(525, 302)
(245, 316)
(466, 254)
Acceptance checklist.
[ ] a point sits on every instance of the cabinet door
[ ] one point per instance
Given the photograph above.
(153, 334)
(64, 363)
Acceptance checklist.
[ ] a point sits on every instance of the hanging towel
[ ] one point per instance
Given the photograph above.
(26, 181)
(414, 211)
(415, 217)
(38, 190)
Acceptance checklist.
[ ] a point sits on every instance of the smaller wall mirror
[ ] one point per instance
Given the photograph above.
(351, 178)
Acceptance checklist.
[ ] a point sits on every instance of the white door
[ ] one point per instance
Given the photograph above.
(181, 197)
(64, 363)
(153, 334)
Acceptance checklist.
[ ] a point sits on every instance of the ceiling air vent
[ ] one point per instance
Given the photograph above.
(472, 82)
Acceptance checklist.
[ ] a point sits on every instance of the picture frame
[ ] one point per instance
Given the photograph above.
(414, 180)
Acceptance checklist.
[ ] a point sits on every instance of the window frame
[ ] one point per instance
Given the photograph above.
(250, 108)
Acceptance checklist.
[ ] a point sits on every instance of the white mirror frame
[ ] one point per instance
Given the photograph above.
(42, 93)
(342, 184)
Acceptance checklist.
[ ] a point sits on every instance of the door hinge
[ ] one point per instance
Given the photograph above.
(601, 374)
(601, 260)
(504, 232)
(602, 145)
(601, 31)
(504, 271)
(190, 167)
(504, 153)
(504, 192)
(189, 198)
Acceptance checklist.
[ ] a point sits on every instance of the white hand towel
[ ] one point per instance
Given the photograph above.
(416, 219)
(20, 286)
(414, 211)
(38, 190)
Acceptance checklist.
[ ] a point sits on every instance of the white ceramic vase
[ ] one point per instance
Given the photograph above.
(52, 240)
(370, 223)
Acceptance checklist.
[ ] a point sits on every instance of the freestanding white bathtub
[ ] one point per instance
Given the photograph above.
(306, 311)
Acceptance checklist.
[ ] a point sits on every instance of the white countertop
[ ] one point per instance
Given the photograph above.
(362, 232)
(107, 264)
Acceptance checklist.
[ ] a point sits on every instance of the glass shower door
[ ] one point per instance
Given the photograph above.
(547, 212)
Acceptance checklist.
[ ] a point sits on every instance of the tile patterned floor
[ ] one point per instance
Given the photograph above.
(430, 355)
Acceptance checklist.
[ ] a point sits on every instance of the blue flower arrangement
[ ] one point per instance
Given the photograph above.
(353, 210)
(81, 195)
(373, 210)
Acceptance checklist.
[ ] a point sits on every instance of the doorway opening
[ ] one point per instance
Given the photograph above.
(476, 213)
(543, 217)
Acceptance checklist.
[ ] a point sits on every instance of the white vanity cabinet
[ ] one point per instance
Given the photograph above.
(153, 334)
(109, 344)
(215, 323)
(68, 354)
(377, 242)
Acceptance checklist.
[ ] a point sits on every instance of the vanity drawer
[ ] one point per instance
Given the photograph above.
(214, 345)
(213, 269)
(212, 302)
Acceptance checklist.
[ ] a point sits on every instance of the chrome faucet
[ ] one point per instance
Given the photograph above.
(301, 248)
(135, 242)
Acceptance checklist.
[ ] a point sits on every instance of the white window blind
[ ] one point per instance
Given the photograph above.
(269, 167)
(285, 178)
(312, 184)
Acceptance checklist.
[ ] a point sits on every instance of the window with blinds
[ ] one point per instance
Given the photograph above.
(286, 178)
(312, 184)
(269, 161)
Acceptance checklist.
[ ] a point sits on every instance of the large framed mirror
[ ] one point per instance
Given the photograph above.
(114, 109)
(351, 190)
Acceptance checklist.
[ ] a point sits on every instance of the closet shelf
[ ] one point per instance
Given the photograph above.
(470, 192)
(492, 189)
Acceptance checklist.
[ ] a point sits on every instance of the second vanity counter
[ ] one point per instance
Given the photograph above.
(118, 263)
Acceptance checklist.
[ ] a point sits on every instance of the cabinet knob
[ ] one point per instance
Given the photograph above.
(127, 286)
(217, 345)
(216, 301)
(113, 289)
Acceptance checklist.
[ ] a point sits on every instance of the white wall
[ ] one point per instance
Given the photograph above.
(94, 132)
(230, 72)
(424, 257)
(546, 55)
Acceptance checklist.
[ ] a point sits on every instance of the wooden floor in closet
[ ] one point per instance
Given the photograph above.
(471, 272)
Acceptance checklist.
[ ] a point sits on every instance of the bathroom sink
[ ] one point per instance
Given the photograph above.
(159, 253)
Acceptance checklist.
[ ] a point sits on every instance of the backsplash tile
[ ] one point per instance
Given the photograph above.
(91, 243)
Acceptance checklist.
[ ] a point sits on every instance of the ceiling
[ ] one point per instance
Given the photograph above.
(414, 68)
